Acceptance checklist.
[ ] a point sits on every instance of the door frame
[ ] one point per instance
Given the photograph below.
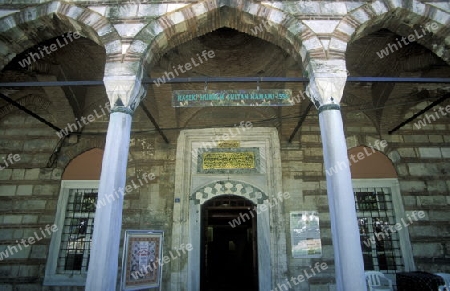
(271, 229)
(262, 229)
(245, 208)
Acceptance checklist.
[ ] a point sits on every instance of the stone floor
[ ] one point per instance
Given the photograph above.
(232, 285)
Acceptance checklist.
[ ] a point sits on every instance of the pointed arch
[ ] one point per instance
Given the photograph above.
(67, 154)
(86, 166)
(195, 20)
(400, 17)
(368, 163)
(32, 25)
(191, 114)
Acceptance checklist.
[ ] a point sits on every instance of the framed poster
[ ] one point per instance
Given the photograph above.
(142, 254)
(305, 234)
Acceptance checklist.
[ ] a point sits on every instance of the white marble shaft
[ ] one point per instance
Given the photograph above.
(103, 265)
(344, 229)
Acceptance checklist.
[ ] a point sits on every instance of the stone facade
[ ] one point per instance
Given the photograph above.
(123, 42)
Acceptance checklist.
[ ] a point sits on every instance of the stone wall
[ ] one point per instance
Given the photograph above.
(29, 190)
(29, 187)
(28, 197)
(421, 159)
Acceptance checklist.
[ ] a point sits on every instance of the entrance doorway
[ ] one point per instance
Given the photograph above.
(229, 259)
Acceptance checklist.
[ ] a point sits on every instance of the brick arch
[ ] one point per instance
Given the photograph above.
(26, 101)
(67, 154)
(191, 113)
(373, 164)
(32, 25)
(400, 17)
(85, 166)
(195, 20)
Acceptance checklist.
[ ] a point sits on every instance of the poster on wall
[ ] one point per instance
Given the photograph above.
(142, 252)
(305, 234)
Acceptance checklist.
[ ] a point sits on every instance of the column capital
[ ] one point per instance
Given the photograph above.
(327, 80)
(123, 84)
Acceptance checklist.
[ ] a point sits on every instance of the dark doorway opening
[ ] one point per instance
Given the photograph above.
(229, 256)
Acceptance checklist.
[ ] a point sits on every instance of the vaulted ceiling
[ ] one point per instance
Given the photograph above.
(237, 54)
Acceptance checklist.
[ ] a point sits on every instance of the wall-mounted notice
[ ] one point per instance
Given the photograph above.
(305, 234)
(263, 97)
(142, 254)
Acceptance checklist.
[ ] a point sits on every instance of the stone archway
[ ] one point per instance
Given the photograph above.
(239, 189)
(193, 188)
(400, 17)
(229, 244)
(34, 20)
(195, 20)
(228, 187)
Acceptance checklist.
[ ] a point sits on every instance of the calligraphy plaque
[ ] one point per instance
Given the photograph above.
(228, 160)
(263, 97)
(229, 144)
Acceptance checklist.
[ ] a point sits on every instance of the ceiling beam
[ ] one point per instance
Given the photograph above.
(434, 103)
(300, 122)
(155, 124)
(29, 112)
(228, 80)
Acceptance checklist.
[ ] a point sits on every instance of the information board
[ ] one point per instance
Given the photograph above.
(199, 98)
(305, 234)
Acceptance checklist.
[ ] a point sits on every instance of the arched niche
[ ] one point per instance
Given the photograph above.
(368, 163)
(86, 166)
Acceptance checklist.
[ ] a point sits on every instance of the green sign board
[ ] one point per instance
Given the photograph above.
(267, 97)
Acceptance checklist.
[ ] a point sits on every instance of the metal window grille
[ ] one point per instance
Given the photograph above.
(375, 213)
(77, 232)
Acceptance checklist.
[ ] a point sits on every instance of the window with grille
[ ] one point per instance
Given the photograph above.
(378, 209)
(68, 258)
(76, 235)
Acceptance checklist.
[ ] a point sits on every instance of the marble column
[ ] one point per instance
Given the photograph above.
(124, 94)
(327, 81)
